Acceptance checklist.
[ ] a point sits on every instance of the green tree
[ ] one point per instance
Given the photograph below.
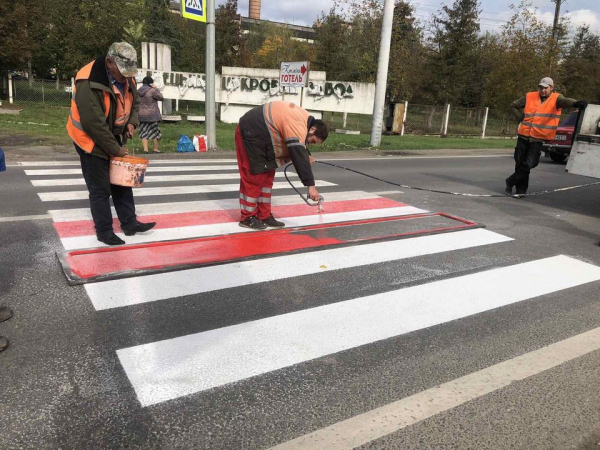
(17, 40)
(456, 40)
(521, 57)
(157, 22)
(582, 66)
(405, 75)
(332, 45)
(228, 35)
(189, 51)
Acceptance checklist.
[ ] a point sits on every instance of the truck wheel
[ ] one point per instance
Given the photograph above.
(557, 157)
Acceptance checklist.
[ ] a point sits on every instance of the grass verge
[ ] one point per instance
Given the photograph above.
(45, 125)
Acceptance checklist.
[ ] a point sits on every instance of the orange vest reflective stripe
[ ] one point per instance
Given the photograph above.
(124, 104)
(74, 127)
(540, 120)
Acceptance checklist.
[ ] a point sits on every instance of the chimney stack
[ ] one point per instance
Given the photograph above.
(254, 10)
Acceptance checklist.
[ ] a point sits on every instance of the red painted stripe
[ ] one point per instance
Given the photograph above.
(86, 227)
(93, 263)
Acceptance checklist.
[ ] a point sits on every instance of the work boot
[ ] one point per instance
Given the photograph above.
(5, 313)
(253, 222)
(138, 227)
(272, 222)
(3, 343)
(110, 238)
(508, 189)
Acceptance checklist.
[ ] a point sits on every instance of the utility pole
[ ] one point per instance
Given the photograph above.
(210, 106)
(382, 72)
(554, 43)
(555, 25)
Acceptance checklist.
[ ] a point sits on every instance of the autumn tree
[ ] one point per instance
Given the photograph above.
(406, 67)
(522, 53)
(456, 42)
(582, 66)
(228, 35)
(332, 46)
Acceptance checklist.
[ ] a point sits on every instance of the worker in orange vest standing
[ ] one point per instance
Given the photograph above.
(104, 114)
(539, 113)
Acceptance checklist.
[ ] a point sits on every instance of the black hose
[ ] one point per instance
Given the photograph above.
(437, 191)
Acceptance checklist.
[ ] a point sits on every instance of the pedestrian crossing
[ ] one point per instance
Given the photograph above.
(163, 370)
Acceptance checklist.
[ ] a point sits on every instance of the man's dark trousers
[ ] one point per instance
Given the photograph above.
(97, 179)
(527, 156)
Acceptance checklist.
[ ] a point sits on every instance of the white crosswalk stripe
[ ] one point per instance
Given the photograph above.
(74, 243)
(161, 162)
(152, 179)
(151, 169)
(151, 209)
(162, 191)
(164, 370)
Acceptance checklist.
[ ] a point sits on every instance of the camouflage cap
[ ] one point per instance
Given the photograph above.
(125, 57)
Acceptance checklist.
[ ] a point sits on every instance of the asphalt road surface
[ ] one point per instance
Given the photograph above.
(401, 329)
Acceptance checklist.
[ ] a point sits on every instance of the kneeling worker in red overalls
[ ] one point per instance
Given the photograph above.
(268, 137)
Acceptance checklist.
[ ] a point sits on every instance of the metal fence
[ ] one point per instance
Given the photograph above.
(42, 91)
(435, 120)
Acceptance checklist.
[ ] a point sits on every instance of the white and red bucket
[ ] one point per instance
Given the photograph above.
(128, 170)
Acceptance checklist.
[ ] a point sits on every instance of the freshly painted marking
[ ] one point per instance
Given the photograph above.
(359, 430)
(25, 218)
(169, 369)
(153, 162)
(86, 227)
(151, 169)
(90, 264)
(167, 190)
(79, 242)
(153, 179)
(152, 209)
(133, 291)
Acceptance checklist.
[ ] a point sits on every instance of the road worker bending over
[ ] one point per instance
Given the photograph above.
(268, 137)
(539, 120)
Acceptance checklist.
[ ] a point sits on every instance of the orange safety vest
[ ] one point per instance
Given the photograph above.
(124, 105)
(540, 120)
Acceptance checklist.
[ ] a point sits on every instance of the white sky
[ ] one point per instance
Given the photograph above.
(495, 12)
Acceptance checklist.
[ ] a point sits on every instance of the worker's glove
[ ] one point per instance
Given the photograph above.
(580, 104)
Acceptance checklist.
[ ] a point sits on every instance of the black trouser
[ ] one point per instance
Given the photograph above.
(97, 179)
(527, 156)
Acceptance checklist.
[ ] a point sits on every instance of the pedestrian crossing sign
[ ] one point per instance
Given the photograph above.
(194, 9)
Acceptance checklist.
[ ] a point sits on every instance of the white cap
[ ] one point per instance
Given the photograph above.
(545, 82)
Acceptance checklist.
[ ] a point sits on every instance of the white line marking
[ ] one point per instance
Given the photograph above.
(374, 424)
(151, 209)
(154, 162)
(169, 369)
(154, 179)
(170, 190)
(388, 192)
(162, 234)
(133, 291)
(151, 169)
(24, 218)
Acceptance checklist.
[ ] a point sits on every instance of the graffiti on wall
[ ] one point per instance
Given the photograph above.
(270, 87)
(182, 81)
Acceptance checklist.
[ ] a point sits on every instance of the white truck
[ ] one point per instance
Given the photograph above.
(585, 153)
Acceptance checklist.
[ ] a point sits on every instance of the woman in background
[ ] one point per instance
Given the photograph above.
(149, 113)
